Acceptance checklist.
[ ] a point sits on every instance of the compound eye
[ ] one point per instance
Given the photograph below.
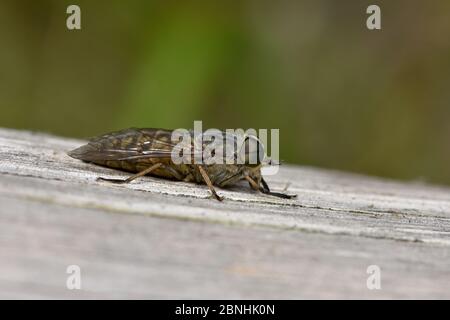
(254, 151)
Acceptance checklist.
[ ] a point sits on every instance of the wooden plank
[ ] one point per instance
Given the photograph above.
(162, 239)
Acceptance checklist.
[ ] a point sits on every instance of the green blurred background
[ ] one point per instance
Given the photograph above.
(343, 97)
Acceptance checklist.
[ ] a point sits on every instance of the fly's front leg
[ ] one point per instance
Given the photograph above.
(264, 188)
(137, 175)
(208, 183)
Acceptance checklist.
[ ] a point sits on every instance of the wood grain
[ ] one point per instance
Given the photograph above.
(161, 239)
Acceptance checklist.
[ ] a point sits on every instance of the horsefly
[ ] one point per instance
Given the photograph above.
(181, 155)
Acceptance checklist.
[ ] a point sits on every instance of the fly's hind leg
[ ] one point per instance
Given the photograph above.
(137, 175)
(208, 183)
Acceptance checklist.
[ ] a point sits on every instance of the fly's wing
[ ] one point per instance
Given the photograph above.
(128, 144)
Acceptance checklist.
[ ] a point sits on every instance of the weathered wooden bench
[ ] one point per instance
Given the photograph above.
(161, 239)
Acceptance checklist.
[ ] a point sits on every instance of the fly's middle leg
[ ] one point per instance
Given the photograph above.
(252, 183)
(208, 183)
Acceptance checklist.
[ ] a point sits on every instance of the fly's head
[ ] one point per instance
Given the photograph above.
(252, 155)
(251, 152)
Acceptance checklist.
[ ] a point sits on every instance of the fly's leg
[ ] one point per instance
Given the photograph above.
(137, 175)
(266, 190)
(208, 183)
(252, 183)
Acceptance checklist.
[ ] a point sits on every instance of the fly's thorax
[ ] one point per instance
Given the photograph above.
(221, 174)
(224, 175)
(232, 149)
